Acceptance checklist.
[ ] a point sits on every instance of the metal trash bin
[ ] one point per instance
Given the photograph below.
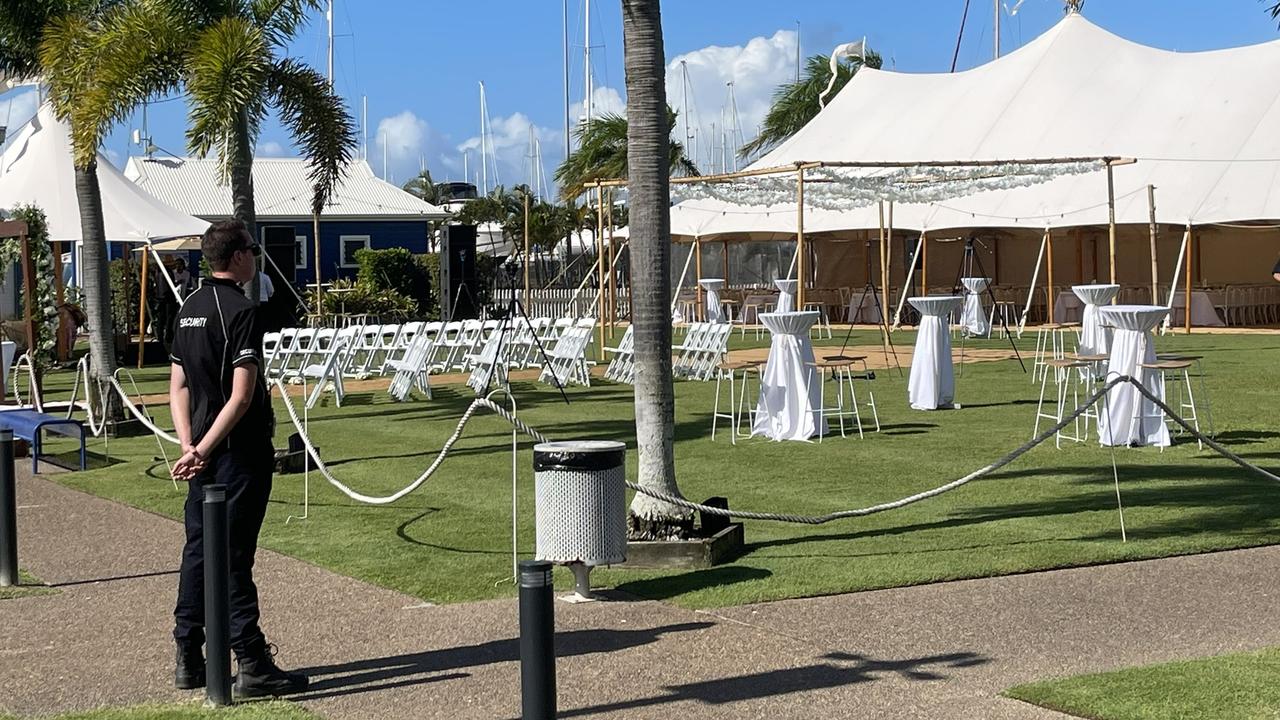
(580, 494)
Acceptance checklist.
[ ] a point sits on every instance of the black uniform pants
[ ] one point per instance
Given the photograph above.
(247, 476)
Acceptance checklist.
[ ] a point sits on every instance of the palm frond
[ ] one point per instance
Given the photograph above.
(319, 122)
(66, 57)
(281, 19)
(602, 155)
(226, 75)
(795, 104)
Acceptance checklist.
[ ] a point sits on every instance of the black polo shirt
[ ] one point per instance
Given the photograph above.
(217, 331)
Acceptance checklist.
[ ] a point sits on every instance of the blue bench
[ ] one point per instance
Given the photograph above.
(27, 424)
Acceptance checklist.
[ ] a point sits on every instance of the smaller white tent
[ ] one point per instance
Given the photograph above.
(36, 169)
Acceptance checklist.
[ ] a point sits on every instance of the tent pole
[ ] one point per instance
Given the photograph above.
(1177, 273)
(888, 260)
(1186, 299)
(884, 309)
(1048, 239)
(613, 274)
(315, 261)
(675, 299)
(1035, 280)
(142, 307)
(801, 265)
(526, 251)
(1155, 234)
(906, 287)
(1111, 219)
(600, 269)
(29, 302)
(724, 255)
(697, 274)
(924, 263)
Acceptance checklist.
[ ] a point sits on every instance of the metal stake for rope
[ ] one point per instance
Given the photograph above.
(8, 512)
(537, 642)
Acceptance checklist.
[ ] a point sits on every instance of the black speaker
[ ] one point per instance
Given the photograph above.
(458, 273)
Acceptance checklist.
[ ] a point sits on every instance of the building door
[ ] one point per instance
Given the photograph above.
(280, 248)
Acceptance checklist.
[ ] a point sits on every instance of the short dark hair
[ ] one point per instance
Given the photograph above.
(222, 240)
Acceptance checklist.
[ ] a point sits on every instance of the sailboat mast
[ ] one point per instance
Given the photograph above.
(329, 15)
(484, 148)
(684, 99)
(586, 64)
(564, 49)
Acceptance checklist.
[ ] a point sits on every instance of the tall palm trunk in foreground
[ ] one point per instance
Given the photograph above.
(97, 287)
(648, 147)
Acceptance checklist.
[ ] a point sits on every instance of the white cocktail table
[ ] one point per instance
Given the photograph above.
(1095, 337)
(933, 382)
(789, 391)
(715, 311)
(1129, 417)
(974, 317)
(786, 294)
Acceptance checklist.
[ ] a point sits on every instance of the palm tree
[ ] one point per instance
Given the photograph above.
(795, 104)
(228, 55)
(24, 25)
(649, 162)
(425, 188)
(602, 155)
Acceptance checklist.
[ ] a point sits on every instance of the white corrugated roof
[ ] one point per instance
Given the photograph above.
(281, 189)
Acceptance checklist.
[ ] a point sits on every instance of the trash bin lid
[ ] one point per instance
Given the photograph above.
(579, 455)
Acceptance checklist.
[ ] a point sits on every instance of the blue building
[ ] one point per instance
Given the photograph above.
(364, 212)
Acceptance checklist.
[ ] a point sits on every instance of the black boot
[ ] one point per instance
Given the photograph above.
(188, 673)
(259, 676)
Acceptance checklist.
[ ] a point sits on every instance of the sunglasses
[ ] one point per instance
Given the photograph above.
(255, 249)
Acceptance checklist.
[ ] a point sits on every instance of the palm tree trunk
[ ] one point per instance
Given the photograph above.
(647, 163)
(97, 289)
(241, 170)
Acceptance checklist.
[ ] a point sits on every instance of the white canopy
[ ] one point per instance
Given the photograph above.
(36, 168)
(1204, 131)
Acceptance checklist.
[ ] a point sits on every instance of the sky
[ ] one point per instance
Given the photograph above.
(419, 63)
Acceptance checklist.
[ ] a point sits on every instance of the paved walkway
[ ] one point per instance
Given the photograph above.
(937, 651)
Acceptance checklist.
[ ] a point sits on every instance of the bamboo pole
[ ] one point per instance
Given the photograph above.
(888, 260)
(1048, 240)
(1155, 234)
(142, 309)
(924, 265)
(802, 265)
(29, 297)
(724, 255)
(884, 310)
(697, 277)
(1111, 219)
(1079, 241)
(1186, 299)
(526, 251)
(600, 269)
(315, 262)
(613, 272)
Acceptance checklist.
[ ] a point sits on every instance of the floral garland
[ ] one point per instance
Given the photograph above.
(842, 188)
(46, 310)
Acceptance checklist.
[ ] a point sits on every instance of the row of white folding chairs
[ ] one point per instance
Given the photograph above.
(622, 368)
(314, 354)
(567, 356)
(705, 344)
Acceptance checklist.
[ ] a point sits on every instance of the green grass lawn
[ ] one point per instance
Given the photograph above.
(28, 585)
(451, 540)
(1230, 687)
(275, 710)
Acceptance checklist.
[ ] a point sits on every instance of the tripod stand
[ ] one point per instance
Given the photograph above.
(885, 339)
(506, 324)
(970, 259)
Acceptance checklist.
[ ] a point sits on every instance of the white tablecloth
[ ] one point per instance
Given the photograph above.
(933, 383)
(1202, 312)
(974, 318)
(1131, 347)
(1095, 337)
(785, 411)
(715, 312)
(863, 309)
(786, 295)
(1067, 308)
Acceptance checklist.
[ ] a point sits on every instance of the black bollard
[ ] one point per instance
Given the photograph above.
(537, 642)
(8, 513)
(217, 614)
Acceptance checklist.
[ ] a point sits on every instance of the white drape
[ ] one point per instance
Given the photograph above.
(785, 411)
(1095, 336)
(1131, 347)
(974, 318)
(786, 295)
(932, 383)
(715, 312)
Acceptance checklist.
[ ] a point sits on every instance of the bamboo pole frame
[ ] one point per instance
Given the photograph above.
(1111, 219)
(884, 306)
(1048, 239)
(613, 272)
(1155, 235)
(526, 251)
(697, 277)
(888, 260)
(801, 265)
(600, 271)
(142, 307)
(315, 261)
(924, 263)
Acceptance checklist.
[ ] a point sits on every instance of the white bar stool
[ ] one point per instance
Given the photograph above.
(1185, 404)
(726, 375)
(1068, 378)
(1203, 393)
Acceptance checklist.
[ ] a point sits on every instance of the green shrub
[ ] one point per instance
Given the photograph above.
(356, 298)
(397, 270)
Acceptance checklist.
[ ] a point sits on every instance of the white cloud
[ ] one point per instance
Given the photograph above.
(406, 141)
(271, 148)
(510, 142)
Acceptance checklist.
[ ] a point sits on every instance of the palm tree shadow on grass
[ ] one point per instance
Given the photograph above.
(669, 586)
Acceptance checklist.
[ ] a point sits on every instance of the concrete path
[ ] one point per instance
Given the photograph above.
(938, 651)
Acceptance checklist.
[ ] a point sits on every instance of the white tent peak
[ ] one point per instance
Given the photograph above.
(37, 169)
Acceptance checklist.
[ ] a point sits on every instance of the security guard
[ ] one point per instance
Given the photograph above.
(223, 417)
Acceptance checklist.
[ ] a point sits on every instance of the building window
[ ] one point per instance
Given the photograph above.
(300, 252)
(350, 244)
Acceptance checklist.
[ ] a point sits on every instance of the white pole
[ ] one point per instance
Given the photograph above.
(1177, 270)
(484, 152)
(329, 15)
(564, 48)
(997, 33)
(906, 287)
(680, 285)
(586, 64)
(1035, 277)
